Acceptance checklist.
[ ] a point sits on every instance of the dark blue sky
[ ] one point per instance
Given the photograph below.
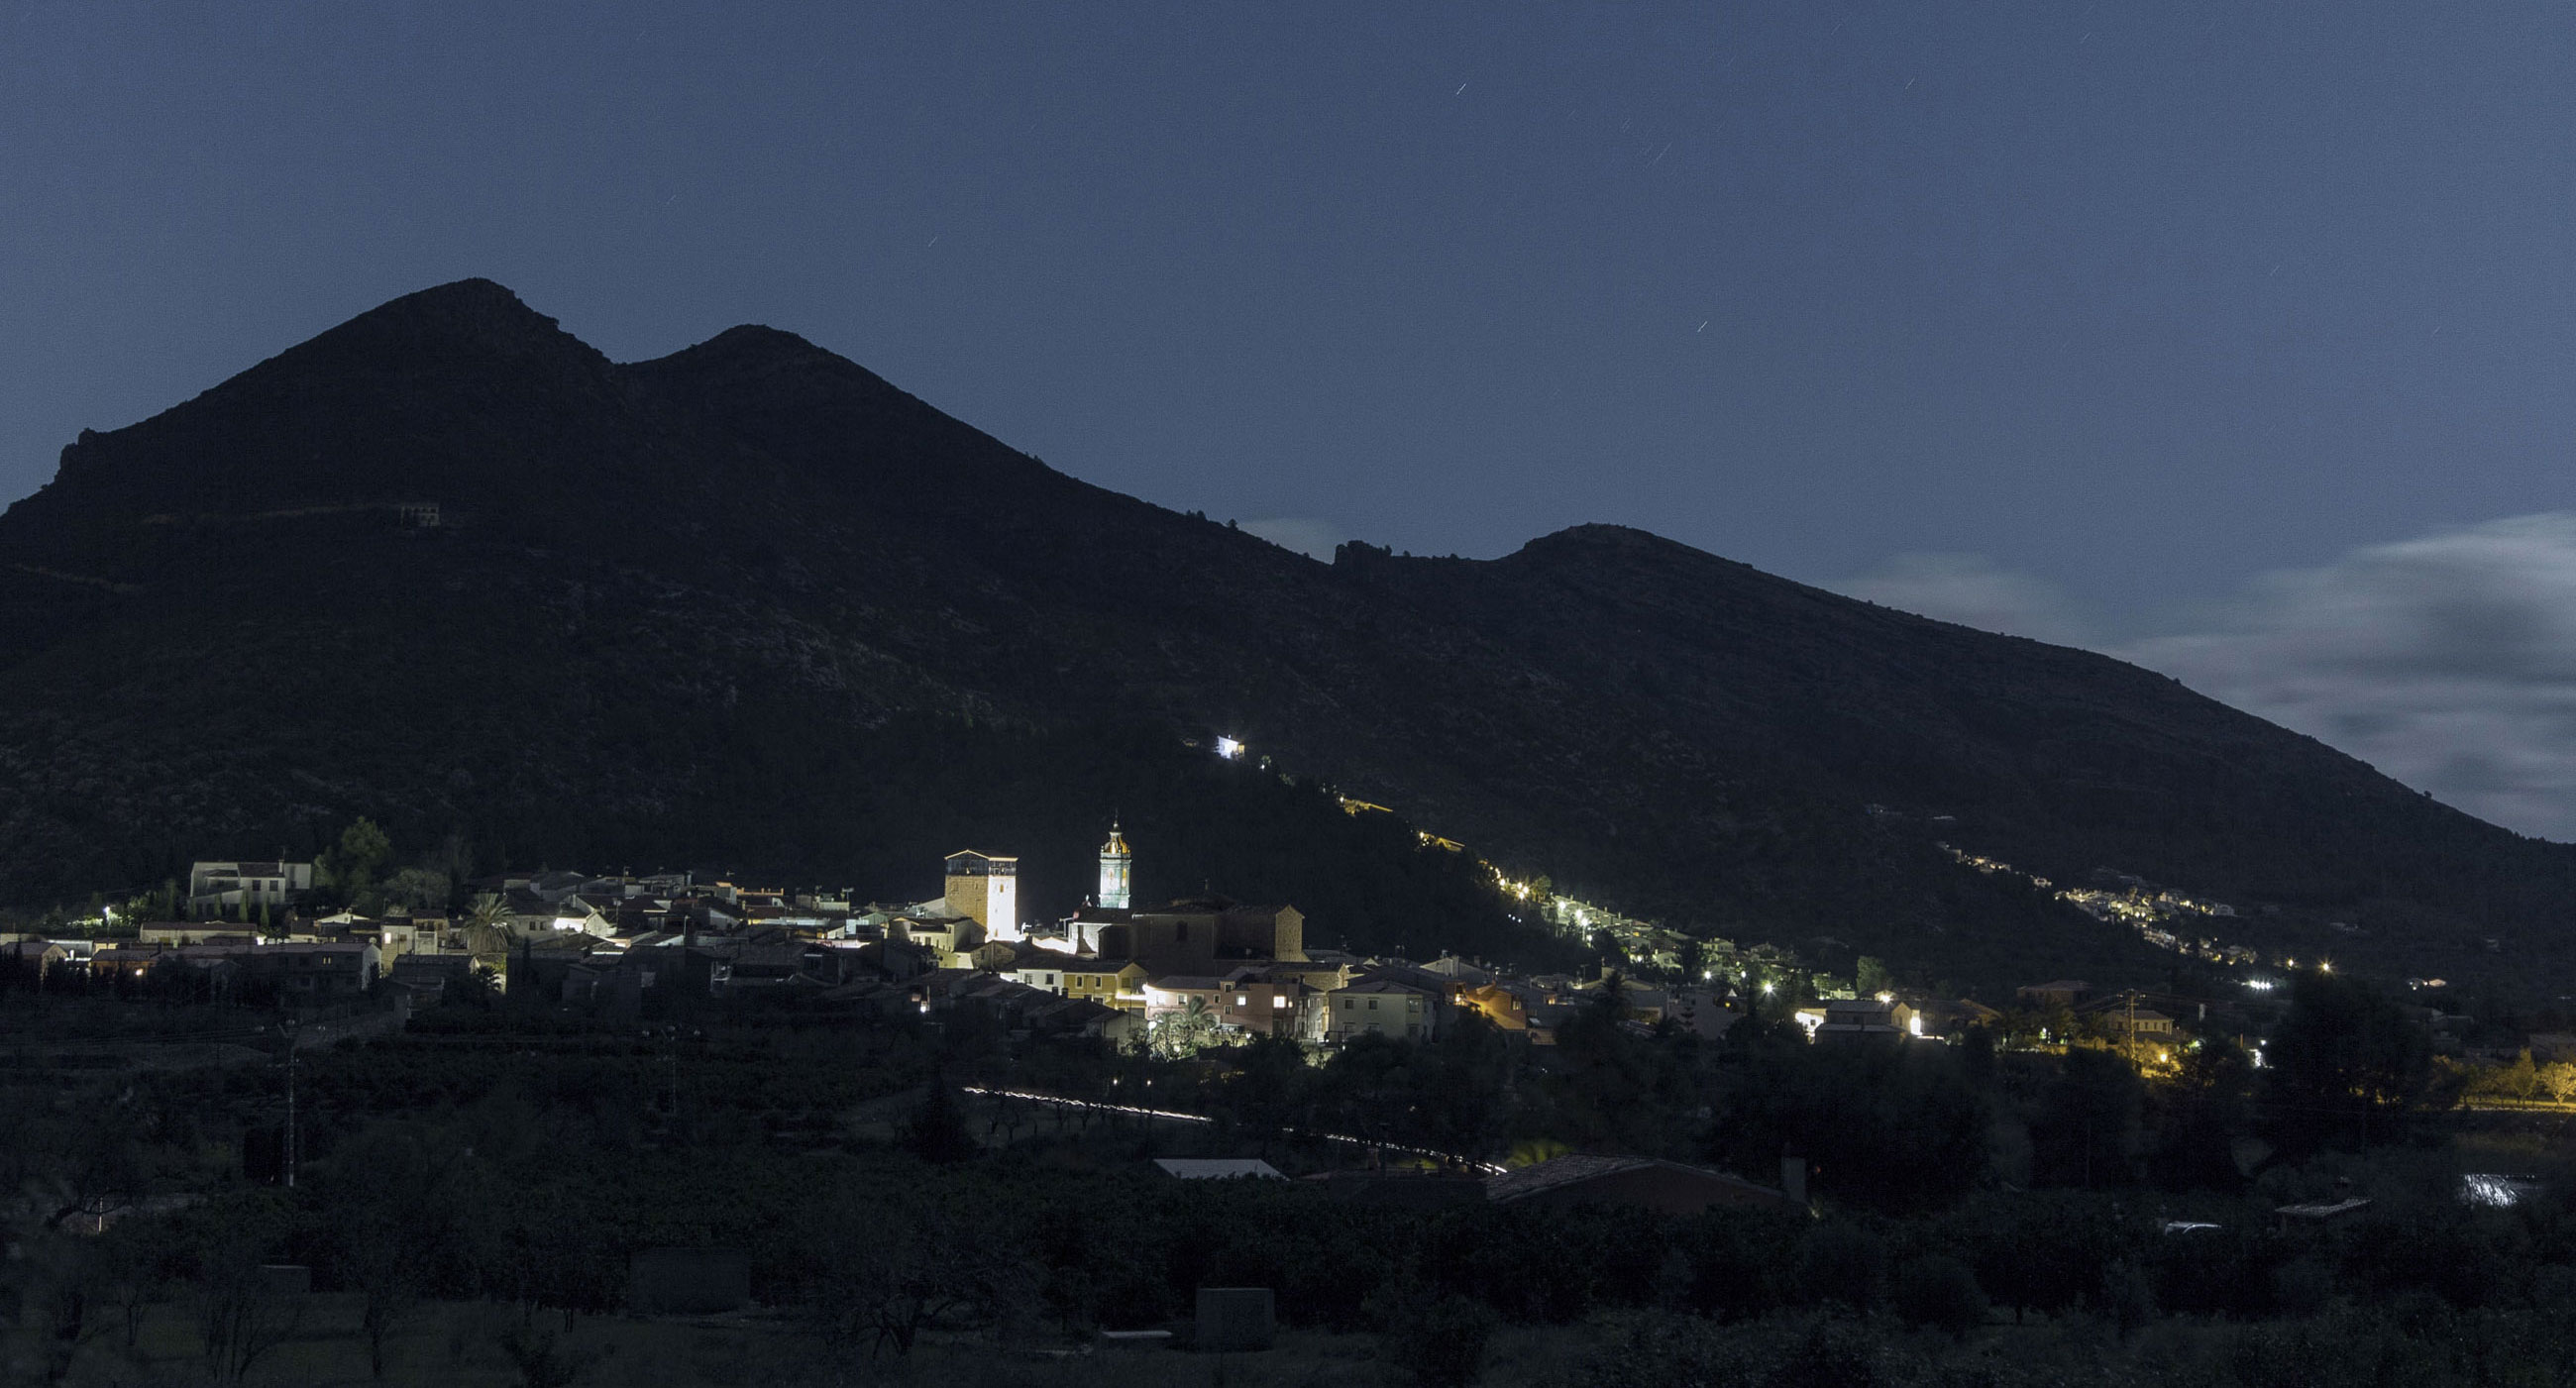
(2093, 314)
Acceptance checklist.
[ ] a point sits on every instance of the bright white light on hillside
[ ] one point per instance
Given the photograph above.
(1229, 749)
(2492, 1191)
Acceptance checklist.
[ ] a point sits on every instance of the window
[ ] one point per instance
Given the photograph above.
(1372, 1004)
(1240, 1000)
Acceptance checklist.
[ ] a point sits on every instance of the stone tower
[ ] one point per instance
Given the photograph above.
(986, 886)
(1115, 864)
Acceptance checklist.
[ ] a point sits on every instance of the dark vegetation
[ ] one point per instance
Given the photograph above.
(1972, 1198)
(749, 606)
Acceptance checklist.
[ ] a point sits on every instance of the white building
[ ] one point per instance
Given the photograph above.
(242, 887)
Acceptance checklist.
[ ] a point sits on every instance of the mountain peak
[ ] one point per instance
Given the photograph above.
(459, 295)
(761, 338)
(405, 399)
(751, 348)
(1600, 542)
(1601, 533)
(476, 314)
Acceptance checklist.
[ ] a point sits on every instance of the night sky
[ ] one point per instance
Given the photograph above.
(2236, 339)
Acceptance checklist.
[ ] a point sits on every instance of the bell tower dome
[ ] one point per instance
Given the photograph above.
(1115, 865)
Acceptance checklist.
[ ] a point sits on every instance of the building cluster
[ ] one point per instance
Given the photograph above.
(1200, 970)
(2164, 918)
(2122, 1015)
(1183, 974)
(220, 966)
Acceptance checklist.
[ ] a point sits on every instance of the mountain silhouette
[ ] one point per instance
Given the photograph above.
(751, 604)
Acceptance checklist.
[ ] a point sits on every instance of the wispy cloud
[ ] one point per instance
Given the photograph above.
(2447, 661)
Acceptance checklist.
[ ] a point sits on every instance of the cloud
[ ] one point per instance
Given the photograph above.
(1971, 590)
(2448, 662)
(1308, 535)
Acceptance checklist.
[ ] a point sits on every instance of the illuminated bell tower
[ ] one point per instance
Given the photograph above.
(1115, 864)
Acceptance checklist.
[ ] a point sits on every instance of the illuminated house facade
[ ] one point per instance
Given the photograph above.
(245, 887)
(1384, 1007)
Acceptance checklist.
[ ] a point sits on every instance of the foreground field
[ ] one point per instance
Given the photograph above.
(471, 1345)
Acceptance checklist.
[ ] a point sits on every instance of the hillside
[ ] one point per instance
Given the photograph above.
(750, 604)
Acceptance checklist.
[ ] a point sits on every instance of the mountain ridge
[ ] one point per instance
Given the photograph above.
(630, 555)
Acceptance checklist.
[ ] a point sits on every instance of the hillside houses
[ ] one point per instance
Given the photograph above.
(296, 971)
(1196, 971)
(242, 890)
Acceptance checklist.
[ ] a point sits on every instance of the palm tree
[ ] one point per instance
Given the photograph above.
(487, 925)
(1185, 1033)
(1612, 998)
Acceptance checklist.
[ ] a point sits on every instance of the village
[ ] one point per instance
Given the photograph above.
(1174, 978)
(1192, 1055)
